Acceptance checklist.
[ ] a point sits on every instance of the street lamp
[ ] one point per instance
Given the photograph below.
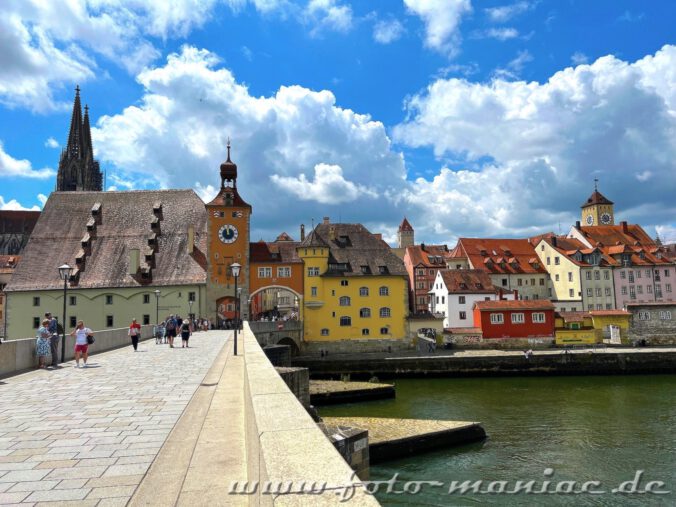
(64, 273)
(157, 307)
(190, 302)
(235, 272)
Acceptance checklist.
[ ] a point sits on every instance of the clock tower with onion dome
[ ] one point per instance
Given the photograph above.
(597, 210)
(228, 219)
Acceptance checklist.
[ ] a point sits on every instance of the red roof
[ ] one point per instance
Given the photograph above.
(573, 316)
(522, 304)
(596, 198)
(492, 255)
(420, 255)
(284, 237)
(623, 234)
(277, 252)
(467, 281)
(405, 226)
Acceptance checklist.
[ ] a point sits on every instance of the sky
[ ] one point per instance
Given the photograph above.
(470, 118)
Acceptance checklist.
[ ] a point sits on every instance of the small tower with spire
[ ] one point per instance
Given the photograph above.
(597, 210)
(405, 234)
(78, 170)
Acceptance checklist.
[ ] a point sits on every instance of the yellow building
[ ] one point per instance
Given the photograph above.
(354, 286)
(587, 328)
(597, 210)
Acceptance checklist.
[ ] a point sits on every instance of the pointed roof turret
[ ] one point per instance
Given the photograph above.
(596, 197)
(74, 145)
(86, 133)
(228, 170)
(314, 240)
(405, 225)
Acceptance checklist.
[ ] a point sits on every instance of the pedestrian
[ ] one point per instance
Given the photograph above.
(42, 346)
(53, 338)
(170, 330)
(186, 331)
(134, 333)
(81, 334)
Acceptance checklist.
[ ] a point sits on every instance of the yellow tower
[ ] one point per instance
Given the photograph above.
(228, 217)
(597, 210)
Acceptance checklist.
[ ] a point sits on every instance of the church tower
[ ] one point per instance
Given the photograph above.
(228, 220)
(597, 210)
(405, 234)
(78, 170)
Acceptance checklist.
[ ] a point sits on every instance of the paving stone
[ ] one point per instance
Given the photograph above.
(33, 486)
(64, 463)
(112, 491)
(23, 476)
(71, 484)
(10, 498)
(137, 468)
(56, 495)
(118, 480)
(77, 472)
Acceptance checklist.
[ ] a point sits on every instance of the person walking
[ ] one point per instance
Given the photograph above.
(53, 338)
(81, 343)
(186, 331)
(42, 346)
(170, 330)
(134, 333)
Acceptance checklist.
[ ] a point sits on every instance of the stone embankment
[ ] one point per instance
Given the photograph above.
(330, 392)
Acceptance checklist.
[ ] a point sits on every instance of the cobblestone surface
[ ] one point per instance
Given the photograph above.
(88, 435)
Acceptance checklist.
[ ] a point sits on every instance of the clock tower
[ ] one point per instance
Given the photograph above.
(228, 219)
(597, 210)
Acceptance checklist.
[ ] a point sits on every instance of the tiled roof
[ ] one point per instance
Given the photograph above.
(462, 330)
(573, 316)
(284, 237)
(420, 255)
(653, 303)
(235, 199)
(359, 252)
(314, 240)
(125, 224)
(608, 313)
(623, 234)
(487, 254)
(596, 198)
(18, 221)
(405, 225)
(278, 252)
(521, 304)
(467, 281)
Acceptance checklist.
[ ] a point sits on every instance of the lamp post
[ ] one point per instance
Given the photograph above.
(235, 272)
(157, 307)
(190, 302)
(64, 273)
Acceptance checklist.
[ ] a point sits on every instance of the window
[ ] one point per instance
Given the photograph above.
(333, 292)
(609, 306)
(590, 307)
(421, 272)
(364, 332)
(463, 315)
(542, 281)
(284, 272)
(504, 282)
(557, 261)
(191, 296)
(518, 318)
(344, 283)
(647, 273)
(345, 321)
(597, 275)
(631, 276)
(598, 292)
(632, 292)
(384, 330)
(36, 302)
(313, 271)
(421, 285)
(588, 275)
(549, 291)
(570, 276)
(109, 299)
(384, 312)
(571, 292)
(363, 291)
(658, 291)
(384, 291)
(639, 289)
(624, 291)
(542, 248)
(325, 332)
(365, 313)
(344, 301)
(665, 315)
(532, 281)
(443, 300)
(461, 300)
(667, 287)
(638, 273)
(538, 317)
(667, 273)
(643, 315)
(519, 282)
(72, 300)
(649, 288)
(599, 307)
(73, 321)
(146, 320)
(146, 299)
(623, 275)
(313, 291)
(497, 318)
(606, 275)
(556, 277)
(36, 322)
(548, 261)
(109, 321)
(589, 293)
(607, 291)
(267, 272)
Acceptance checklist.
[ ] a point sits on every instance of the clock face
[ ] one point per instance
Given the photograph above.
(590, 220)
(605, 218)
(228, 233)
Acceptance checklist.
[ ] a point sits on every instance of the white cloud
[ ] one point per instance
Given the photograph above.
(51, 143)
(178, 131)
(14, 168)
(667, 233)
(545, 142)
(515, 66)
(579, 58)
(507, 12)
(328, 15)
(496, 33)
(329, 186)
(15, 205)
(43, 200)
(387, 31)
(442, 21)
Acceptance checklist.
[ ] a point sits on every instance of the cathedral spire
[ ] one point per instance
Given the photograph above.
(74, 145)
(86, 134)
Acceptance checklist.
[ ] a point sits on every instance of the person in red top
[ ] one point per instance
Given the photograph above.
(134, 333)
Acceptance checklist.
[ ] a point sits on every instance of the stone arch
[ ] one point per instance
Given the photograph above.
(291, 343)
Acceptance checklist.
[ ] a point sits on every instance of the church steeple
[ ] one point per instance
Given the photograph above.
(78, 170)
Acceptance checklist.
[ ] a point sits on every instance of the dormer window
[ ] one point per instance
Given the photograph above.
(463, 286)
(96, 209)
(382, 270)
(479, 285)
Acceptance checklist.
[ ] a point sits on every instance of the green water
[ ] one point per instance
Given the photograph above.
(584, 428)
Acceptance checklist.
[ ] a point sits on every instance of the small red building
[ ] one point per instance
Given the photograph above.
(515, 319)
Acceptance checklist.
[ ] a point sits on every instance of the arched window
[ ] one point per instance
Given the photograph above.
(363, 291)
(345, 321)
(365, 332)
(365, 312)
(384, 330)
(384, 312)
(384, 291)
(344, 301)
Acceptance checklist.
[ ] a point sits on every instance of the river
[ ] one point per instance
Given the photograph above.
(603, 429)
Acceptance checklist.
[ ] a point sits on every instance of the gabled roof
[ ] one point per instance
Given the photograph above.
(573, 316)
(623, 233)
(125, 224)
(521, 304)
(283, 237)
(467, 281)
(314, 240)
(429, 256)
(488, 254)
(276, 252)
(405, 226)
(596, 198)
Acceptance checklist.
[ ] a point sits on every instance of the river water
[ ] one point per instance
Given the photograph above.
(603, 429)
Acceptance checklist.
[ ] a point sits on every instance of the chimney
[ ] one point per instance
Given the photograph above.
(302, 232)
(577, 224)
(378, 236)
(134, 260)
(332, 231)
(326, 221)
(191, 239)
(554, 240)
(625, 229)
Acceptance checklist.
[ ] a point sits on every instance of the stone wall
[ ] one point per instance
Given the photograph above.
(298, 381)
(654, 331)
(354, 347)
(19, 355)
(478, 342)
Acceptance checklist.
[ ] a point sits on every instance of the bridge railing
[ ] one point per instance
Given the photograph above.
(260, 326)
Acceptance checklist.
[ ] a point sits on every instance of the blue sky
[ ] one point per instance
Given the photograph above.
(470, 118)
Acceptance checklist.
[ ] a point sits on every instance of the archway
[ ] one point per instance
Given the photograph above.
(291, 343)
(274, 302)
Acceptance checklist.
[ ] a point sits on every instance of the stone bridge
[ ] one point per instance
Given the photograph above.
(288, 332)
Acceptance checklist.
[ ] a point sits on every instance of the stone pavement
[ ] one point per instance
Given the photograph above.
(90, 435)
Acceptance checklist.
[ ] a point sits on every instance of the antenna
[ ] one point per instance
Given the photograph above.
(559, 228)
(596, 184)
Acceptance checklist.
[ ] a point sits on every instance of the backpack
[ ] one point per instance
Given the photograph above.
(185, 327)
(171, 325)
